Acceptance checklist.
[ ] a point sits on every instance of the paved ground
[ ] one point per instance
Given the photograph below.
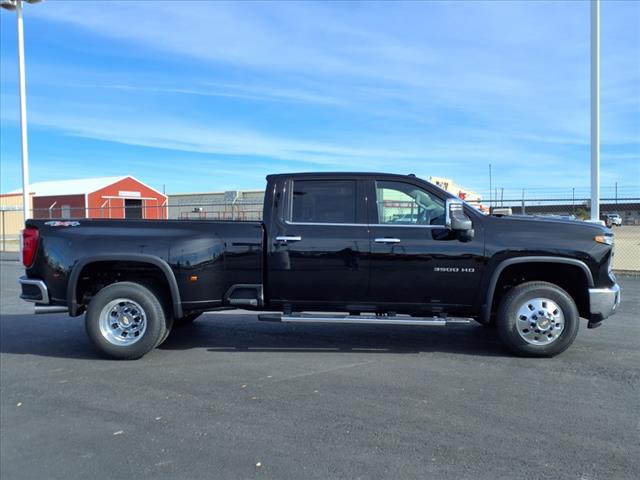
(323, 402)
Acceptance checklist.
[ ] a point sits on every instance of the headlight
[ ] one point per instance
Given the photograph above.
(606, 239)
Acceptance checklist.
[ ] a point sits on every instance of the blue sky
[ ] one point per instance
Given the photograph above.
(213, 96)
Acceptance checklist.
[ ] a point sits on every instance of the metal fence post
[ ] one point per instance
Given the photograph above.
(4, 234)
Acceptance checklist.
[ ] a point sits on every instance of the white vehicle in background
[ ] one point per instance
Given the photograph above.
(612, 220)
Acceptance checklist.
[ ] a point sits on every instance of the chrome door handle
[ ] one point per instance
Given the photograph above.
(288, 238)
(387, 240)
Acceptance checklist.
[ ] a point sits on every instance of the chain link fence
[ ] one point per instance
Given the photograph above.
(239, 210)
(622, 214)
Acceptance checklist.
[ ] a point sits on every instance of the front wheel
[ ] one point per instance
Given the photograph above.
(537, 319)
(125, 320)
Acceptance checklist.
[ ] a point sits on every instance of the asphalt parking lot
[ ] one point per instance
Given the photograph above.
(231, 397)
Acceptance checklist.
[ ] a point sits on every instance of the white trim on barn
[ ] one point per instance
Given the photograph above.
(150, 188)
(128, 197)
(79, 186)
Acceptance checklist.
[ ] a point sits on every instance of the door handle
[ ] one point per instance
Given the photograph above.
(288, 238)
(387, 240)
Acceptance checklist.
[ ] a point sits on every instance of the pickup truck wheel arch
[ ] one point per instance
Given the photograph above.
(488, 303)
(72, 300)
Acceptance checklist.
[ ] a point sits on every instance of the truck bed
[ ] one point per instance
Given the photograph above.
(206, 257)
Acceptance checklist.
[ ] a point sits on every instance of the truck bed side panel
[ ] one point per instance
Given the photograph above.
(206, 257)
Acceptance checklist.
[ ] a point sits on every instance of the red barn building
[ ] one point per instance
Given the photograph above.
(105, 197)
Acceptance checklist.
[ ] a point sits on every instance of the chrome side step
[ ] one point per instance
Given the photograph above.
(365, 319)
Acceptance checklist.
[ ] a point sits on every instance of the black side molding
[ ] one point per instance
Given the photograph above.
(72, 301)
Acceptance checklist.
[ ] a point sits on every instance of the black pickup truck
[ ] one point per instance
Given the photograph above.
(380, 248)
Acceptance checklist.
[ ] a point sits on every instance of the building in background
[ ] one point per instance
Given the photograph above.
(104, 197)
(229, 205)
(11, 220)
(458, 190)
(461, 192)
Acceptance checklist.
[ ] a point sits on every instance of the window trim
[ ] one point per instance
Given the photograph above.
(441, 227)
(366, 198)
(330, 224)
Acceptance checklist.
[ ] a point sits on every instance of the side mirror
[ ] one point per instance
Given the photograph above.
(456, 219)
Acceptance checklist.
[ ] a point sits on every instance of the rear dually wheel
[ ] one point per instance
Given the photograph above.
(125, 320)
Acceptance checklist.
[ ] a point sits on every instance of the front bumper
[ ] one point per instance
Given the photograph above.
(603, 303)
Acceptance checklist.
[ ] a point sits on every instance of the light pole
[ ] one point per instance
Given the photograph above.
(17, 6)
(595, 110)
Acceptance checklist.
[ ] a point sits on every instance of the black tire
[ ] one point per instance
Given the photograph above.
(170, 322)
(513, 328)
(147, 311)
(188, 319)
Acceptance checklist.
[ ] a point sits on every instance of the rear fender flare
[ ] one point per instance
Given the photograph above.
(164, 267)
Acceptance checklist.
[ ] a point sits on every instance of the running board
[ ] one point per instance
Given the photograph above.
(366, 320)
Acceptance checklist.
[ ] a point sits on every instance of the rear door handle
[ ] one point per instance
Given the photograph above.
(288, 238)
(387, 240)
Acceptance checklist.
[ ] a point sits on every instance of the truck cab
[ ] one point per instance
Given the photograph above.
(370, 243)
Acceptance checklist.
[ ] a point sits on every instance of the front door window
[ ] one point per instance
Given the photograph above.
(400, 203)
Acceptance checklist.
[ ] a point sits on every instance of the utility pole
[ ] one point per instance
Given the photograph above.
(17, 6)
(23, 113)
(490, 190)
(595, 110)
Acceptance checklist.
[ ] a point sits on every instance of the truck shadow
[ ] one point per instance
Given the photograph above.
(45, 335)
(63, 337)
(244, 333)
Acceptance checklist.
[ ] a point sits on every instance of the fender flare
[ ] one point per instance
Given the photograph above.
(486, 308)
(130, 257)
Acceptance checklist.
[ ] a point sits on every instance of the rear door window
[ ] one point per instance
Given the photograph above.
(324, 201)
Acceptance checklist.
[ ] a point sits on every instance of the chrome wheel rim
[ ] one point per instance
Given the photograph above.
(123, 322)
(540, 321)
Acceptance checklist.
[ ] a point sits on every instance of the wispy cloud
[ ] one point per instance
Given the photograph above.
(305, 85)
